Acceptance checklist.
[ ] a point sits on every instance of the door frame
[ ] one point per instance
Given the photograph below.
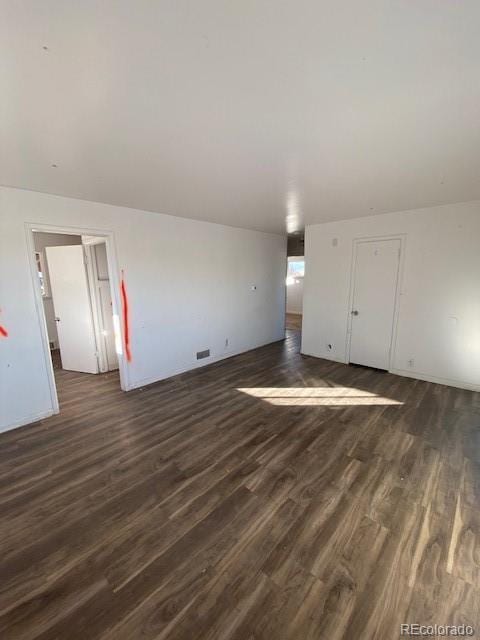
(92, 274)
(114, 276)
(91, 268)
(398, 291)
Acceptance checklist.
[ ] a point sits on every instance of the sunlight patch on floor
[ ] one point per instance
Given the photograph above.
(317, 396)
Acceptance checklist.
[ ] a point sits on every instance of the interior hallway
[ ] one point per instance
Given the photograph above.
(270, 495)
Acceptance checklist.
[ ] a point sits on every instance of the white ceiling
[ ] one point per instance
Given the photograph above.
(263, 114)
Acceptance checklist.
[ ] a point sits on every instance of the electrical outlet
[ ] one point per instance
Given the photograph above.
(226, 343)
(411, 363)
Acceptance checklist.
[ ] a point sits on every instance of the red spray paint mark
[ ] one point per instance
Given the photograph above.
(3, 331)
(126, 328)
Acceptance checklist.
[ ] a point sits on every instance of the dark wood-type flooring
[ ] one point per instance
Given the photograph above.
(56, 358)
(321, 501)
(293, 321)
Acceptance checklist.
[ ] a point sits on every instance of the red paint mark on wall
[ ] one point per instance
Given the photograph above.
(126, 328)
(3, 331)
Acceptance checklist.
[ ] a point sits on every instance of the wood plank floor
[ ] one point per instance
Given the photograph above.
(270, 496)
(293, 321)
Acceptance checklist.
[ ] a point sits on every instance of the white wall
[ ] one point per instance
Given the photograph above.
(439, 304)
(42, 240)
(189, 285)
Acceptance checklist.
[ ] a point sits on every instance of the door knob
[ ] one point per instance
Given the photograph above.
(354, 312)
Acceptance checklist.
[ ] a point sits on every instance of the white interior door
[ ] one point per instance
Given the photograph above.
(375, 286)
(73, 312)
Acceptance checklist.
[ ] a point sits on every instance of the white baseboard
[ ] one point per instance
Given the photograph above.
(197, 365)
(28, 420)
(460, 384)
(323, 357)
(144, 382)
(416, 375)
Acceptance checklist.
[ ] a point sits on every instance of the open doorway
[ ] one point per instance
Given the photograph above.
(294, 283)
(295, 274)
(77, 308)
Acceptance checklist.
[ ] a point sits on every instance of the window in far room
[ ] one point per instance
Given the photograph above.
(40, 261)
(296, 269)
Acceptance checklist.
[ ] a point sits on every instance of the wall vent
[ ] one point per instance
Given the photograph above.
(203, 354)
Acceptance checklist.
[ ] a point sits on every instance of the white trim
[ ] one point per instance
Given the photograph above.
(35, 417)
(92, 278)
(41, 321)
(425, 377)
(114, 276)
(324, 357)
(114, 279)
(460, 384)
(90, 241)
(200, 364)
(398, 291)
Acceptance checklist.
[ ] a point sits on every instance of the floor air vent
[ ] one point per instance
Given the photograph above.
(203, 354)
